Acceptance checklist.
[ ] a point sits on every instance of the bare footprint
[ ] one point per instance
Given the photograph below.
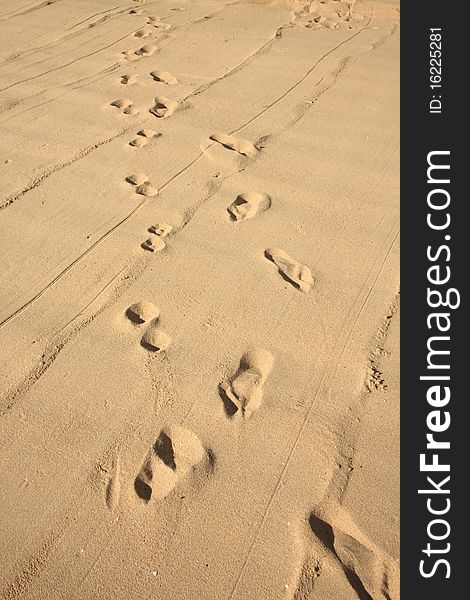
(113, 486)
(244, 393)
(153, 244)
(155, 339)
(137, 178)
(175, 453)
(248, 205)
(144, 136)
(144, 32)
(161, 229)
(126, 106)
(142, 312)
(146, 189)
(296, 273)
(161, 25)
(128, 79)
(370, 571)
(164, 77)
(147, 50)
(142, 184)
(241, 146)
(164, 107)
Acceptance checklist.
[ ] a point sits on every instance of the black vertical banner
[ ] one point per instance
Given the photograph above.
(434, 259)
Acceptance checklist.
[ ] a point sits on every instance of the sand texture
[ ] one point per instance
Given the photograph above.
(199, 300)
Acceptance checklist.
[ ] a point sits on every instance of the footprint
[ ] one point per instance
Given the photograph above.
(296, 273)
(142, 183)
(175, 453)
(164, 77)
(161, 229)
(164, 107)
(238, 145)
(155, 339)
(161, 25)
(144, 32)
(138, 178)
(142, 311)
(370, 571)
(146, 190)
(128, 79)
(136, 11)
(244, 393)
(129, 55)
(143, 137)
(154, 244)
(126, 106)
(147, 50)
(248, 205)
(113, 486)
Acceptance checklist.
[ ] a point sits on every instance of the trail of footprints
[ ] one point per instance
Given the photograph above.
(177, 452)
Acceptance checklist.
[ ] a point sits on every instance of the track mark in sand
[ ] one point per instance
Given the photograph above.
(128, 79)
(164, 77)
(142, 185)
(113, 486)
(144, 136)
(241, 146)
(156, 340)
(147, 50)
(144, 32)
(126, 106)
(296, 273)
(164, 107)
(370, 571)
(146, 190)
(142, 311)
(174, 455)
(137, 178)
(243, 395)
(162, 26)
(161, 229)
(153, 244)
(248, 205)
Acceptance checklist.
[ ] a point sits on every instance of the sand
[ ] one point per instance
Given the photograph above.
(199, 300)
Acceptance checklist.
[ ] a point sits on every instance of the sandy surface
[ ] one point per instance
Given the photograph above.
(199, 322)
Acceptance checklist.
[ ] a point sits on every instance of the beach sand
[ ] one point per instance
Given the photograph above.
(199, 300)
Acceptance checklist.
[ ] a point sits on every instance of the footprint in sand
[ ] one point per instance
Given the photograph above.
(248, 205)
(164, 77)
(155, 339)
(142, 312)
(146, 50)
(173, 457)
(113, 486)
(126, 106)
(128, 79)
(164, 107)
(161, 229)
(144, 32)
(153, 244)
(370, 571)
(129, 56)
(296, 273)
(142, 184)
(244, 393)
(144, 136)
(241, 146)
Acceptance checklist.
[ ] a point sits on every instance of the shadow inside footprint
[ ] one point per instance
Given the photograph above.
(130, 314)
(325, 533)
(164, 450)
(142, 489)
(230, 407)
